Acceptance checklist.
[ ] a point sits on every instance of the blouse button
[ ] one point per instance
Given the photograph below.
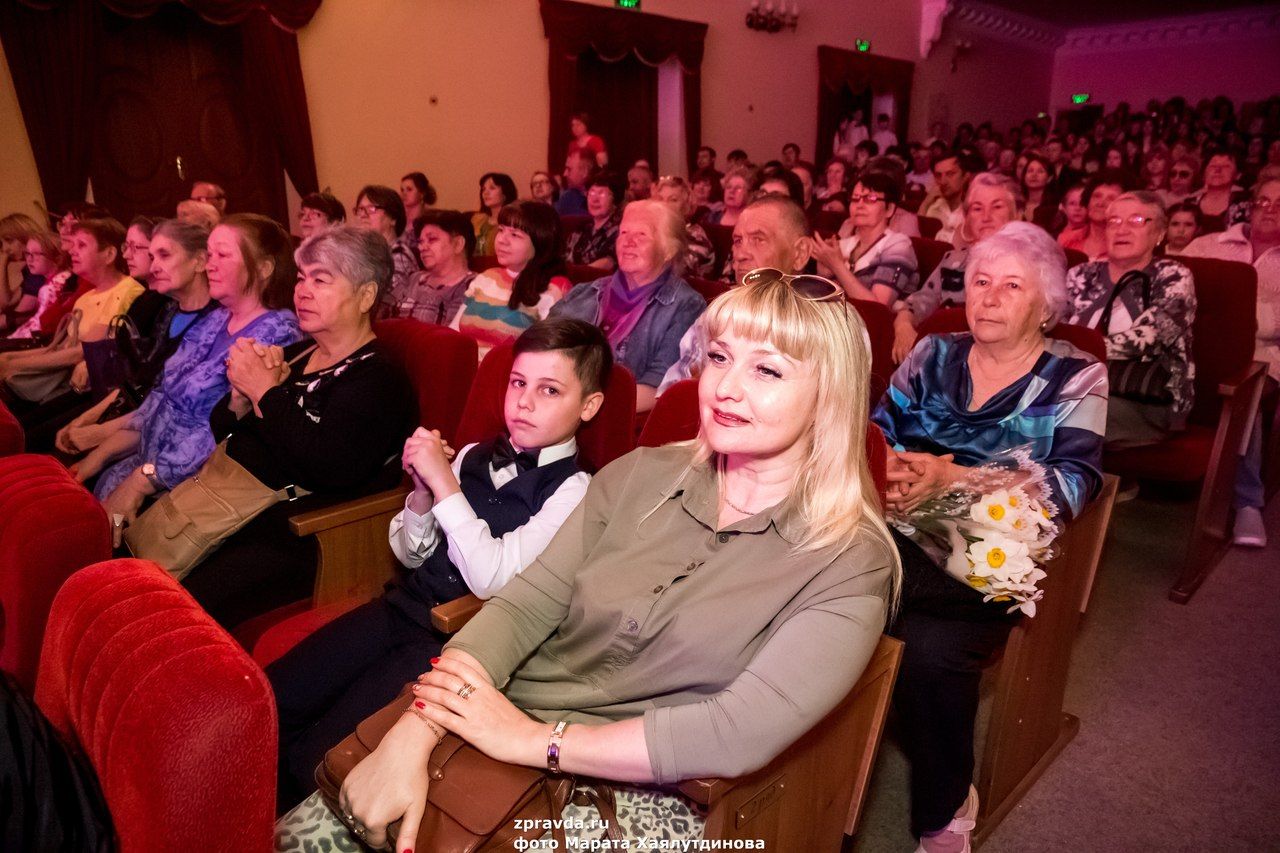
(632, 626)
(691, 567)
(657, 589)
(723, 537)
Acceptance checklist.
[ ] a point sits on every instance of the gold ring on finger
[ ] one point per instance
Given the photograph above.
(466, 690)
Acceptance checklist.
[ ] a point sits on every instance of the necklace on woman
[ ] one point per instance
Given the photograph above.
(733, 506)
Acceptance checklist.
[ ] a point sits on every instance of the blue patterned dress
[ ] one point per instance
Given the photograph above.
(1059, 408)
(174, 419)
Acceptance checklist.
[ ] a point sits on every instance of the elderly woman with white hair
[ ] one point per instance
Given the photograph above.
(322, 416)
(957, 401)
(991, 202)
(1144, 306)
(645, 307)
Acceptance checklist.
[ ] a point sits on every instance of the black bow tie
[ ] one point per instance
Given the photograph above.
(504, 454)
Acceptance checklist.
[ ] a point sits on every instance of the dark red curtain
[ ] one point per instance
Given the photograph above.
(575, 29)
(51, 46)
(622, 100)
(858, 72)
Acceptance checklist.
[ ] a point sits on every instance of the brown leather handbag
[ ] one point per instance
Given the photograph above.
(474, 803)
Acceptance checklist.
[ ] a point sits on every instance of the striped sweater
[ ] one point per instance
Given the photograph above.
(485, 314)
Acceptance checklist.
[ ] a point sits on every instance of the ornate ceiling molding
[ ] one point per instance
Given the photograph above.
(1176, 32)
(1010, 26)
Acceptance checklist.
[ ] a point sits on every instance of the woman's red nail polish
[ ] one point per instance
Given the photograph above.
(435, 660)
(419, 704)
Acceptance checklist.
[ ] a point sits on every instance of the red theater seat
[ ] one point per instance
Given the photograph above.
(928, 255)
(609, 435)
(721, 237)
(826, 223)
(177, 721)
(12, 439)
(878, 318)
(440, 364)
(50, 527)
(709, 288)
(929, 226)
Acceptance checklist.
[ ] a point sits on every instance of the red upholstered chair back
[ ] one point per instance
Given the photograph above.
(675, 418)
(879, 322)
(609, 435)
(827, 222)
(480, 263)
(440, 364)
(178, 722)
(50, 527)
(929, 226)
(928, 255)
(721, 237)
(12, 438)
(578, 273)
(570, 222)
(709, 288)
(946, 321)
(1226, 323)
(1075, 257)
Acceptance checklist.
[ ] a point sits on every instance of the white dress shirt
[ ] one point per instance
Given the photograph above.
(487, 562)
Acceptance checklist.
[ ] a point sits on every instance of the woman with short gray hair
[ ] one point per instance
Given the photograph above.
(324, 415)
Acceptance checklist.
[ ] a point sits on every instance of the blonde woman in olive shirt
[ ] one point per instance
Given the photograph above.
(704, 606)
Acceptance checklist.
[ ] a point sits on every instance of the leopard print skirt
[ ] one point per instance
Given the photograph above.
(644, 814)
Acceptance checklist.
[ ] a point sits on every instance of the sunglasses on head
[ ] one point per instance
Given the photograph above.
(815, 288)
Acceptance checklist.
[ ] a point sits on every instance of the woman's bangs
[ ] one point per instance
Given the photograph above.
(770, 313)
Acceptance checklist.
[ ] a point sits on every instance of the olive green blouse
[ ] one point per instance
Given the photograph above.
(729, 644)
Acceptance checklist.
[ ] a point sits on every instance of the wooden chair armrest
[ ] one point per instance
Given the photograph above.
(1243, 382)
(448, 618)
(338, 515)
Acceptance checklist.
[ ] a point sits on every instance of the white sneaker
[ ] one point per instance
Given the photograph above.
(1249, 530)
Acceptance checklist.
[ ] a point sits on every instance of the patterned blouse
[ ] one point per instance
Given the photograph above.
(404, 259)
(700, 257)
(487, 317)
(588, 244)
(1159, 331)
(1059, 408)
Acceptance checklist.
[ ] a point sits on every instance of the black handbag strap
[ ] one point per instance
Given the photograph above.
(1104, 320)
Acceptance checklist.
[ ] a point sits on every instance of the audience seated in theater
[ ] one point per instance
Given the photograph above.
(835, 178)
(902, 221)
(585, 142)
(705, 162)
(700, 254)
(198, 213)
(646, 305)
(1183, 176)
(862, 154)
(34, 376)
(851, 130)
(737, 187)
(772, 233)
(529, 278)
(921, 174)
(148, 334)
(790, 155)
(874, 262)
(722, 676)
(592, 243)
(543, 188)
(708, 195)
(990, 204)
(773, 179)
(16, 280)
(136, 249)
(210, 193)
(1184, 226)
(1072, 224)
(380, 209)
(417, 195)
(946, 202)
(1099, 192)
(497, 190)
(469, 526)
(639, 183)
(434, 294)
(1256, 242)
(957, 401)
(251, 274)
(884, 136)
(1040, 201)
(1223, 203)
(46, 265)
(737, 158)
(806, 172)
(323, 415)
(72, 214)
(578, 168)
(1147, 320)
(317, 212)
(1155, 169)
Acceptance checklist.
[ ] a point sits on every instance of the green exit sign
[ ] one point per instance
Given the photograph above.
(862, 45)
(627, 4)
(1081, 98)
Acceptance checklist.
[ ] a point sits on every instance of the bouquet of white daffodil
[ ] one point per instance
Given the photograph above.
(993, 530)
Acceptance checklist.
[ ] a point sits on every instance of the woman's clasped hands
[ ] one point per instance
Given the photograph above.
(253, 369)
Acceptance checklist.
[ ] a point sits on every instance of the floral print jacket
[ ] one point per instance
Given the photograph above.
(1157, 331)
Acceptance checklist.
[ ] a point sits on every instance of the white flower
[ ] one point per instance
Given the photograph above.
(994, 511)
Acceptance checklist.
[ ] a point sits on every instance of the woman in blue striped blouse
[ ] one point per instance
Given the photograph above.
(957, 401)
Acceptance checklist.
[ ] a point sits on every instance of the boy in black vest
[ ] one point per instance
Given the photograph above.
(496, 507)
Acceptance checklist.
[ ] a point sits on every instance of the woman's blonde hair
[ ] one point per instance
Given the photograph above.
(834, 491)
(668, 227)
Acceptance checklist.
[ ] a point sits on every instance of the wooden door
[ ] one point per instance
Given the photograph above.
(174, 105)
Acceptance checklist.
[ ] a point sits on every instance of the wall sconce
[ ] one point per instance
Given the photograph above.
(772, 20)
